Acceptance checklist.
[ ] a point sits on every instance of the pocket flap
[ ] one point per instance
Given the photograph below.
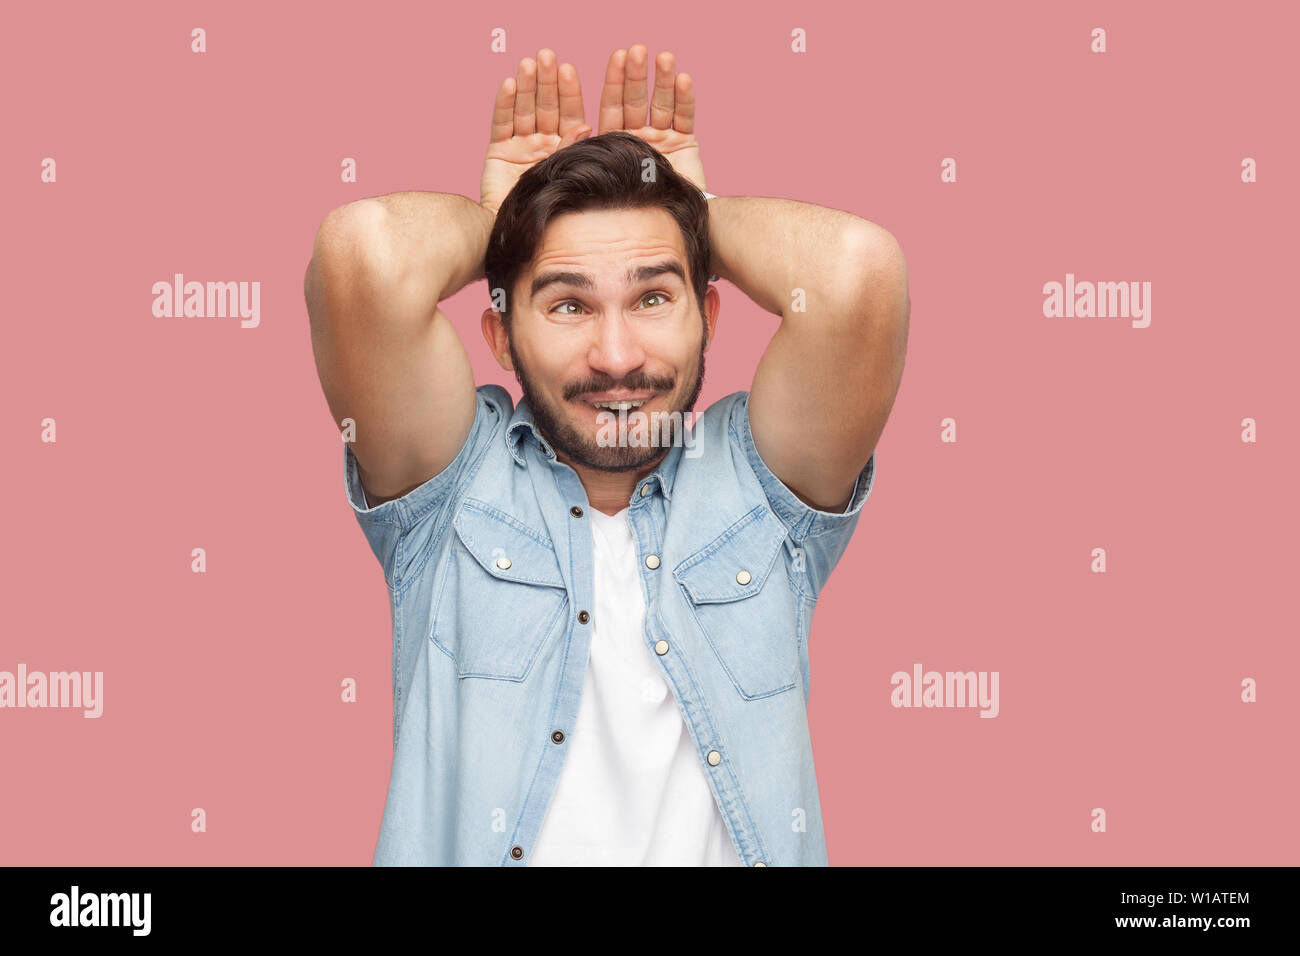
(746, 551)
(506, 548)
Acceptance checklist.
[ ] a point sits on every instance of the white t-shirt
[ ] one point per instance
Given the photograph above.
(633, 791)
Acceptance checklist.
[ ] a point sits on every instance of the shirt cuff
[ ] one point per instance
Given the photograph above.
(800, 517)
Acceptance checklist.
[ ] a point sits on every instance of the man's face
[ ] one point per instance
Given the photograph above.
(607, 312)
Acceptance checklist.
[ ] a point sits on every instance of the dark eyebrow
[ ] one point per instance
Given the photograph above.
(582, 280)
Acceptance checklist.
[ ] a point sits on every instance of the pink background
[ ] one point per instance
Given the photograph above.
(1118, 690)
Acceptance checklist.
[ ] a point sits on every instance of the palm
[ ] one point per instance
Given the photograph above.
(682, 150)
(670, 127)
(539, 111)
(507, 160)
(536, 113)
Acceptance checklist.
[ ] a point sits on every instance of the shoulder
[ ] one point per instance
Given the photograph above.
(497, 400)
(724, 415)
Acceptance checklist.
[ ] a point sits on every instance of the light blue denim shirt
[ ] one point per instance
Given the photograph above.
(489, 573)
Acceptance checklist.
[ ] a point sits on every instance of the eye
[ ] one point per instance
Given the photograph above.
(663, 298)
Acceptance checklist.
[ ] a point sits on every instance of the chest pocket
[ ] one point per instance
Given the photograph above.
(500, 596)
(736, 588)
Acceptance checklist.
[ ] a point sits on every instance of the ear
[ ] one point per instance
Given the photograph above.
(498, 340)
(712, 306)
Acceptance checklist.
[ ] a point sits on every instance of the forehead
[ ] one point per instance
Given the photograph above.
(604, 241)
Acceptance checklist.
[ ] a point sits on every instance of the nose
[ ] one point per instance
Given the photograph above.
(615, 349)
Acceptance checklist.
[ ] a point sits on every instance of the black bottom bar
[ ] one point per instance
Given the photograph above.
(332, 905)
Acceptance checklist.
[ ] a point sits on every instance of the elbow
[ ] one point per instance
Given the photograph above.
(350, 231)
(874, 281)
(351, 253)
(872, 252)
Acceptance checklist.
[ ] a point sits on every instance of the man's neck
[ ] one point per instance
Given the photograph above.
(609, 491)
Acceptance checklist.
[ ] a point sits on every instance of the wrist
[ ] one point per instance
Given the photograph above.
(707, 196)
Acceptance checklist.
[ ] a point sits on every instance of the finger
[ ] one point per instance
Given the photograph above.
(611, 94)
(573, 135)
(634, 94)
(526, 98)
(572, 114)
(503, 112)
(684, 108)
(661, 104)
(548, 93)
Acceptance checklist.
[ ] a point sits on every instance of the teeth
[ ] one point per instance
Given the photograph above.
(618, 405)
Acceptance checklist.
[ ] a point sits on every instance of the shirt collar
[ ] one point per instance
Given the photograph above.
(523, 428)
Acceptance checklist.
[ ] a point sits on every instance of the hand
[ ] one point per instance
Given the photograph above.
(536, 113)
(672, 110)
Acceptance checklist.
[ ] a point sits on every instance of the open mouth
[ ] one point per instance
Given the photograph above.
(625, 403)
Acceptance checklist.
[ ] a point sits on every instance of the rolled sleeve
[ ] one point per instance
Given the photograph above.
(819, 538)
(399, 530)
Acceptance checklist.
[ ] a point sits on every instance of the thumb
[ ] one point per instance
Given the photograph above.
(575, 134)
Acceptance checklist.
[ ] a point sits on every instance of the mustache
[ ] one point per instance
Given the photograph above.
(631, 385)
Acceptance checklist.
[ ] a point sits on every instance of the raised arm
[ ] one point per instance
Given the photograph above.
(827, 381)
(387, 356)
(825, 386)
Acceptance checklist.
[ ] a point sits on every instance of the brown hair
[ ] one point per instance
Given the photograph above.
(599, 172)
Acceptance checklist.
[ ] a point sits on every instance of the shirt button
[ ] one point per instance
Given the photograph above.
(743, 577)
(661, 648)
(645, 489)
(558, 737)
(583, 617)
(714, 758)
(503, 563)
(576, 511)
(760, 863)
(652, 561)
(517, 852)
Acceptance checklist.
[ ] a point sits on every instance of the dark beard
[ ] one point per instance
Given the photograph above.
(583, 449)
